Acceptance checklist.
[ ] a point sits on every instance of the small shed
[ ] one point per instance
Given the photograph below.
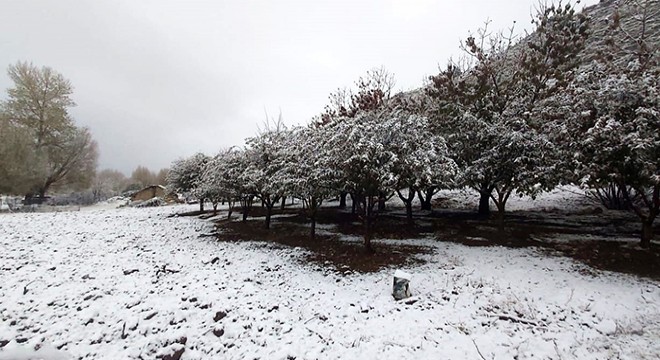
(150, 192)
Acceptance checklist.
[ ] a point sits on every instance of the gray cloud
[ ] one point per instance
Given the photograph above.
(157, 80)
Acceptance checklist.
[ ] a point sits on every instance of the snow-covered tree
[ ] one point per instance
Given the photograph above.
(419, 103)
(487, 106)
(614, 133)
(307, 169)
(235, 167)
(363, 150)
(185, 176)
(263, 172)
(209, 186)
(422, 161)
(372, 92)
(221, 179)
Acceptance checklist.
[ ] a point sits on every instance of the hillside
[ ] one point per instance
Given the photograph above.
(631, 14)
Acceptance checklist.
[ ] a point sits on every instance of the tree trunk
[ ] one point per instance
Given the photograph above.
(500, 201)
(500, 216)
(367, 235)
(246, 205)
(429, 196)
(409, 214)
(407, 200)
(342, 200)
(215, 208)
(484, 203)
(201, 205)
(381, 201)
(42, 193)
(268, 211)
(230, 211)
(313, 206)
(367, 241)
(353, 204)
(368, 214)
(283, 202)
(313, 230)
(647, 234)
(425, 199)
(653, 204)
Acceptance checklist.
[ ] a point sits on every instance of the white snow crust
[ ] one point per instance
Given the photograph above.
(132, 283)
(402, 274)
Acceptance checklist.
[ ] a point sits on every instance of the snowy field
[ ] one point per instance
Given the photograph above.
(134, 284)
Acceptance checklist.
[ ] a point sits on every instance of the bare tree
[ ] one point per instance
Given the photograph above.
(108, 182)
(143, 176)
(161, 177)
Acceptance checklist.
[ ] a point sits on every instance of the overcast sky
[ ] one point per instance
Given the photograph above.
(161, 79)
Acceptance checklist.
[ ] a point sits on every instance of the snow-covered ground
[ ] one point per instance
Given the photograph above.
(131, 283)
(562, 198)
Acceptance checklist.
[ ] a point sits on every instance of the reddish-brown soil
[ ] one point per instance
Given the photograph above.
(589, 238)
(325, 249)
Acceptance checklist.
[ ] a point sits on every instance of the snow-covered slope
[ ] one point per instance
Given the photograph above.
(132, 283)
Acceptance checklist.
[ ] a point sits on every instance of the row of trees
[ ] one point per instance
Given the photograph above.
(612, 113)
(370, 156)
(573, 102)
(512, 116)
(40, 145)
(110, 182)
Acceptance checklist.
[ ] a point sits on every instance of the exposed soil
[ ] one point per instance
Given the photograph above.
(593, 239)
(602, 242)
(332, 249)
